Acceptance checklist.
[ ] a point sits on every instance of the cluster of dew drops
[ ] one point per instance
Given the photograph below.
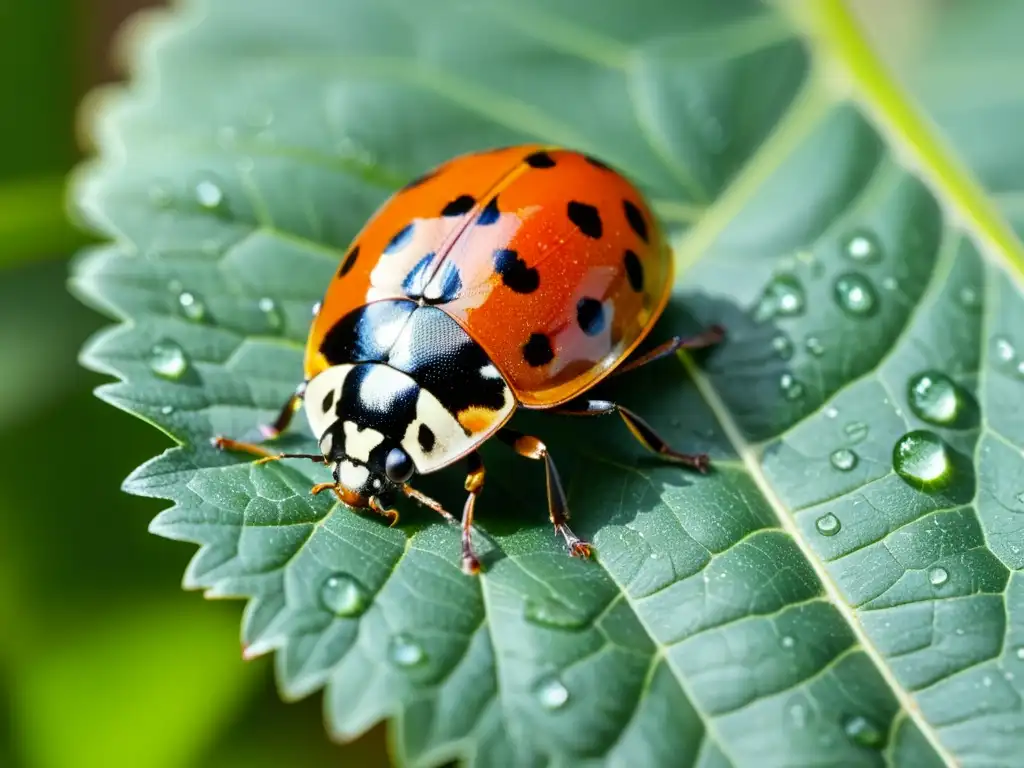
(920, 456)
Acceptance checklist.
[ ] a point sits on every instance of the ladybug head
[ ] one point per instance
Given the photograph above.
(363, 473)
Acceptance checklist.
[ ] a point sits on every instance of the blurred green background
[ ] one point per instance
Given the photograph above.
(104, 660)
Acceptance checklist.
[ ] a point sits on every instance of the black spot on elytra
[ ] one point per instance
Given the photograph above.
(426, 438)
(460, 205)
(348, 261)
(400, 238)
(597, 163)
(634, 271)
(586, 218)
(514, 272)
(590, 315)
(635, 219)
(537, 351)
(490, 213)
(328, 402)
(540, 160)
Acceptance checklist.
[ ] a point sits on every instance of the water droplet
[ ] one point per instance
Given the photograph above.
(192, 306)
(404, 652)
(273, 315)
(782, 297)
(552, 693)
(890, 284)
(920, 457)
(167, 410)
(209, 194)
(938, 576)
(1004, 349)
(856, 431)
(843, 459)
(1020, 368)
(862, 731)
(831, 412)
(828, 525)
(161, 195)
(167, 359)
(813, 345)
(783, 346)
(342, 595)
(799, 715)
(791, 388)
(787, 641)
(863, 247)
(986, 681)
(935, 398)
(969, 297)
(1020, 653)
(855, 294)
(549, 612)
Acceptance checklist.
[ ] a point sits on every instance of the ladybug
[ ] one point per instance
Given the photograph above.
(518, 277)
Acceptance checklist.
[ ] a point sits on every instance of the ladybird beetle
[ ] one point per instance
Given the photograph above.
(518, 277)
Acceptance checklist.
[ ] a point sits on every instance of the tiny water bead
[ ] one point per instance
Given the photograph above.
(343, 595)
(1020, 653)
(167, 359)
(828, 525)
(791, 388)
(552, 693)
(862, 731)
(863, 247)
(404, 652)
(1004, 349)
(938, 576)
(921, 458)
(209, 194)
(969, 297)
(843, 459)
(856, 431)
(787, 641)
(783, 297)
(831, 412)
(192, 306)
(813, 345)
(935, 398)
(167, 410)
(783, 346)
(855, 294)
(549, 612)
(271, 312)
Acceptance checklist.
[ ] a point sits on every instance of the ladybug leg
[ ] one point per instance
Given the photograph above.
(284, 418)
(474, 484)
(641, 430)
(708, 338)
(558, 508)
(227, 444)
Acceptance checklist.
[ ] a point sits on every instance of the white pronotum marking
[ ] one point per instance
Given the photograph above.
(359, 442)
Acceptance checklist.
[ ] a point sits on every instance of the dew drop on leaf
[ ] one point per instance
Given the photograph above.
(192, 306)
(167, 360)
(813, 345)
(343, 595)
(921, 458)
(862, 731)
(890, 284)
(1020, 653)
(552, 693)
(856, 431)
(986, 681)
(549, 612)
(798, 713)
(1004, 349)
(935, 398)
(855, 295)
(270, 311)
(782, 297)
(167, 410)
(831, 412)
(404, 652)
(791, 388)
(843, 459)
(787, 641)
(863, 247)
(938, 576)
(969, 297)
(209, 195)
(783, 346)
(828, 525)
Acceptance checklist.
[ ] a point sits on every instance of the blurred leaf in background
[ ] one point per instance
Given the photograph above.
(103, 660)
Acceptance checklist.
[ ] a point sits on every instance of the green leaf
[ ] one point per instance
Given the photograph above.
(842, 590)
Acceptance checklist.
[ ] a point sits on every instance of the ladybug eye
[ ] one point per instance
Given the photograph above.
(398, 466)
